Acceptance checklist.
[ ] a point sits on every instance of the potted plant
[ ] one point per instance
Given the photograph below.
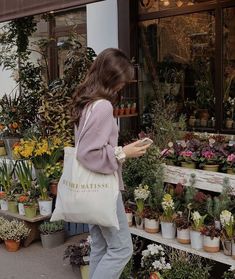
(167, 218)
(54, 172)
(189, 156)
(52, 234)
(151, 220)
(211, 239)
(229, 274)
(141, 193)
(183, 228)
(129, 215)
(127, 108)
(30, 208)
(195, 232)
(12, 232)
(227, 233)
(12, 202)
(133, 108)
(44, 201)
(230, 164)
(78, 256)
(153, 262)
(22, 199)
(116, 111)
(121, 109)
(6, 173)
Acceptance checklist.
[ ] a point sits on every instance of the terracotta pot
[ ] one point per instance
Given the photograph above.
(204, 114)
(121, 111)
(188, 165)
(12, 245)
(133, 110)
(213, 168)
(115, 112)
(211, 245)
(151, 225)
(127, 111)
(183, 236)
(154, 275)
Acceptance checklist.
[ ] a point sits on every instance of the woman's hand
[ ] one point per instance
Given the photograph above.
(133, 150)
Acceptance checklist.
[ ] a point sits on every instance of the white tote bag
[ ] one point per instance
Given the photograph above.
(85, 196)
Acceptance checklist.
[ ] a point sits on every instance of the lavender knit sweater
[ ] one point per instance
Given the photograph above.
(98, 139)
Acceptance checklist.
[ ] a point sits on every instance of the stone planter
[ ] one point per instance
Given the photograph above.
(168, 230)
(52, 240)
(211, 245)
(151, 225)
(189, 165)
(196, 240)
(213, 168)
(53, 187)
(183, 236)
(227, 246)
(129, 216)
(45, 207)
(4, 205)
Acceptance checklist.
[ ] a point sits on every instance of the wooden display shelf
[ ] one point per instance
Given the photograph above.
(205, 180)
(218, 257)
(127, 115)
(32, 223)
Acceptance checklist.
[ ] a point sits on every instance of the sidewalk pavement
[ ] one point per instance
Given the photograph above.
(35, 262)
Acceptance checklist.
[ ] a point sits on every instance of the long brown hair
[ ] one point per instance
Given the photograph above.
(110, 71)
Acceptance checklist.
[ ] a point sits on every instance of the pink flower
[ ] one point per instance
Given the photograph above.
(231, 158)
(208, 154)
(186, 153)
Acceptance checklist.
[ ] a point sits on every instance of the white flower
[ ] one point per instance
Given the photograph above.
(145, 253)
(141, 192)
(196, 216)
(226, 217)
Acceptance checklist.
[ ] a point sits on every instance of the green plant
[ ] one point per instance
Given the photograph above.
(54, 172)
(51, 227)
(43, 183)
(13, 230)
(23, 170)
(128, 270)
(6, 172)
(168, 209)
(186, 266)
(197, 221)
(77, 253)
(229, 274)
(55, 100)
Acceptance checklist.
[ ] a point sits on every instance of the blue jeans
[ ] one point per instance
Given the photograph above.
(111, 249)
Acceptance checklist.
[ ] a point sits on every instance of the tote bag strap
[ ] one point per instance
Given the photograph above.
(88, 113)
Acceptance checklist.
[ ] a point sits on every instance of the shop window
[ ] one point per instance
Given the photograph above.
(177, 60)
(147, 6)
(229, 68)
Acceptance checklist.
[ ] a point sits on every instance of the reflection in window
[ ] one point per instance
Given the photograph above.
(177, 61)
(229, 68)
(147, 6)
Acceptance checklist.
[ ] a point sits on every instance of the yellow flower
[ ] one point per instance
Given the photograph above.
(167, 198)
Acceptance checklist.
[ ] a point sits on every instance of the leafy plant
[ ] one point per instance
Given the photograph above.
(51, 227)
(211, 231)
(6, 172)
(23, 170)
(229, 274)
(77, 253)
(43, 183)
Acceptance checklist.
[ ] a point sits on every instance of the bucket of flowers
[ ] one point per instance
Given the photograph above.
(227, 233)
(141, 193)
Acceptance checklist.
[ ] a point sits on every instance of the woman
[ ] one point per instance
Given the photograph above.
(111, 249)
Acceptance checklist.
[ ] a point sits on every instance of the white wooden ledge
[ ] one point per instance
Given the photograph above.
(205, 180)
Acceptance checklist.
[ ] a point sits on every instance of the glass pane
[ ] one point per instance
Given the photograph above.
(229, 68)
(177, 61)
(71, 18)
(147, 6)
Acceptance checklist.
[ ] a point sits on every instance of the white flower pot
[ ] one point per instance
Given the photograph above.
(4, 205)
(183, 236)
(151, 225)
(196, 240)
(168, 230)
(233, 249)
(21, 209)
(211, 245)
(129, 217)
(45, 207)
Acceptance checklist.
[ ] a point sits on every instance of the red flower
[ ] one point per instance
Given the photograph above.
(179, 189)
(200, 197)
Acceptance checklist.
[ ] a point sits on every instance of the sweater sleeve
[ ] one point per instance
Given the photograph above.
(94, 149)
